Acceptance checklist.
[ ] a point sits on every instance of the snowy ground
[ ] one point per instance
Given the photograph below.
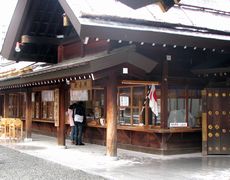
(91, 158)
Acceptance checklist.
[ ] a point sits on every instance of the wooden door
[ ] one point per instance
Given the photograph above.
(218, 121)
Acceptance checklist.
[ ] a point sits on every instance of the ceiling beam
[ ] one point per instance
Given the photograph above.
(39, 40)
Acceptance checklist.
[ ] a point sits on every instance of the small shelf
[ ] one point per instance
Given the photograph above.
(43, 120)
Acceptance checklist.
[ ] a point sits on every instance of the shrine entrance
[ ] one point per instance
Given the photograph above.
(218, 120)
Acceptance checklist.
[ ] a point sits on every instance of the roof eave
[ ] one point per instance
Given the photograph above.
(127, 32)
(13, 32)
(86, 65)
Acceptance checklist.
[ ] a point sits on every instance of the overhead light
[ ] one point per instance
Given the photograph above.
(66, 21)
(17, 47)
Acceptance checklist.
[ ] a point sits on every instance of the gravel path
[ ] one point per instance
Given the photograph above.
(15, 165)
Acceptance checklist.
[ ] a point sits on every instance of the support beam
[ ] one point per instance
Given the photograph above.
(61, 127)
(6, 105)
(111, 133)
(39, 40)
(28, 129)
(164, 95)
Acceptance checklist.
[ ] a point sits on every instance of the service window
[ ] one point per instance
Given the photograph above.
(133, 106)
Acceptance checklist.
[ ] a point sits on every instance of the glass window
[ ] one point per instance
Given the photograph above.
(43, 105)
(195, 106)
(47, 104)
(184, 106)
(133, 108)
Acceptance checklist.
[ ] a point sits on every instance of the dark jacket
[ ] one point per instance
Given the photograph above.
(80, 110)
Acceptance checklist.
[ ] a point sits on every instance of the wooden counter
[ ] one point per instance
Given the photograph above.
(152, 130)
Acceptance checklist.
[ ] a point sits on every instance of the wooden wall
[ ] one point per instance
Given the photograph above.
(176, 143)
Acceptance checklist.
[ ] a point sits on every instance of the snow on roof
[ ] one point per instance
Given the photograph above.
(222, 5)
(177, 15)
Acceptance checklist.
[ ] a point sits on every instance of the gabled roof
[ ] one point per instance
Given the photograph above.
(38, 26)
(187, 25)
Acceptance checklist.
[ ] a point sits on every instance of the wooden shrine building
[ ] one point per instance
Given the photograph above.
(110, 61)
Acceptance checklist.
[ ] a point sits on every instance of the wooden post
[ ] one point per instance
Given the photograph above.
(82, 50)
(204, 123)
(61, 126)
(111, 133)
(187, 105)
(164, 145)
(60, 53)
(28, 129)
(164, 96)
(6, 105)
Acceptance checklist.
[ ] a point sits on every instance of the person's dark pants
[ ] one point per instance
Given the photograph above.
(78, 132)
(72, 134)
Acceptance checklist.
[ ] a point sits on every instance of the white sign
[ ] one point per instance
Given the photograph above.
(124, 100)
(79, 95)
(184, 124)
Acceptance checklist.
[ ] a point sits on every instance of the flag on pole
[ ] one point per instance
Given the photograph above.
(153, 100)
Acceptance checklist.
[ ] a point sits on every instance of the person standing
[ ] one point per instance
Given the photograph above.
(79, 121)
(71, 123)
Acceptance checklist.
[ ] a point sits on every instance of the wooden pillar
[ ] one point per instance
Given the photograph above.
(164, 145)
(28, 129)
(111, 116)
(6, 105)
(60, 53)
(204, 123)
(164, 95)
(61, 125)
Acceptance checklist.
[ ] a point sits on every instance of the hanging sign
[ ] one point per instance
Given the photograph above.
(82, 85)
(56, 107)
(79, 95)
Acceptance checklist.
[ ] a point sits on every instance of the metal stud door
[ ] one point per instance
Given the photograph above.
(218, 121)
